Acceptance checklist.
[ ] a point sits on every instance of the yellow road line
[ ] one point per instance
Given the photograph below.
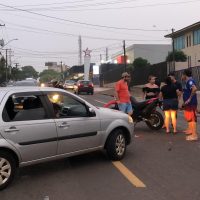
(129, 175)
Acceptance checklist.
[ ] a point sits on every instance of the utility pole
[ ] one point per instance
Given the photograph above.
(173, 50)
(16, 65)
(124, 49)
(61, 67)
(100, 58)
(7, 63)
(80, 50)
(106, 53)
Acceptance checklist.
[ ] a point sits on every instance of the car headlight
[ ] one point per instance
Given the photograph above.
(42, 85)
(130, 119)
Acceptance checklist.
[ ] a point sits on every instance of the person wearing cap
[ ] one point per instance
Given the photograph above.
(151, 90)
(56, 84)
(122, 94)
(190, 104)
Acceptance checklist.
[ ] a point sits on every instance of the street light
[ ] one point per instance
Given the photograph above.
(9, 42)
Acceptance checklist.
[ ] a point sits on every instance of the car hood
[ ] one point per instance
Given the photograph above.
(111, 113)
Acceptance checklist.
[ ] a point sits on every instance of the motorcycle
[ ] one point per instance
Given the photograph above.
(145, 111)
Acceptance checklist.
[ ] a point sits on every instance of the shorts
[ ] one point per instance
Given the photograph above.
(125, 107)
(170, 104)
(190, 113)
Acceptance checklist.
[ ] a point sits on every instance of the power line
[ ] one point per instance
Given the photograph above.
(82, 23)
(77, 6)
(84, 36)
(112, 31)
(128, 7)
(46, 4)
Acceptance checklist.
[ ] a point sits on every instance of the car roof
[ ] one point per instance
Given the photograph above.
(5, 90)
(19, 89)
(28, 89)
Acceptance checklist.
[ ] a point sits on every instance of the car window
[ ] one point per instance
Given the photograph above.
(85, 82)
(23, 108)
(66, 106)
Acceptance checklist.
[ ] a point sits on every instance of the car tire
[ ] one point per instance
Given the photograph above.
(92, 93)
(7, 169)
(116, 145)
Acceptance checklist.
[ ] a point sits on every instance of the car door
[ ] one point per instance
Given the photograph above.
(76, 129)
(27, 125)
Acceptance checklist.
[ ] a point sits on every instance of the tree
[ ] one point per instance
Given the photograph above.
(140, 62)
(178, 55)
(16, 74)
(29, 72)
(47, 75)
(2, 70)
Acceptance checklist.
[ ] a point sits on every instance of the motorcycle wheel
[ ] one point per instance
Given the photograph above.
(155, 121)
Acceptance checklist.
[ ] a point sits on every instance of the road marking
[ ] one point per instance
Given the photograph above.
(134, 180)
(100, 101)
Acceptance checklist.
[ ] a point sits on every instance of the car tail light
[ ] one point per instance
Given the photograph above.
(91, 85)
(80, 85)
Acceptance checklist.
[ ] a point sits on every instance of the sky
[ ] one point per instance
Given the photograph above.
(48, 30)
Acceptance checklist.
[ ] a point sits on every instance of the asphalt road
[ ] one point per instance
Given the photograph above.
(156, 167)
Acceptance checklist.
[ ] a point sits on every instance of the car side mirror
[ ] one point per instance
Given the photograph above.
(92, 112)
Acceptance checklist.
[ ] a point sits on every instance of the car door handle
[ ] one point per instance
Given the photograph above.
(11, 129)
(64, 124)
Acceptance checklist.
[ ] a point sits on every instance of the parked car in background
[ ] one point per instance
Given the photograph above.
(69, 84)
(43, 124)
(84, 86)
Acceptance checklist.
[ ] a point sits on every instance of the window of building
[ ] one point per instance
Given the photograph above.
(179, 43)
(196, 36)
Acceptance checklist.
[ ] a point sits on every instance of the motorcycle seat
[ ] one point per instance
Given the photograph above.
(138, 104)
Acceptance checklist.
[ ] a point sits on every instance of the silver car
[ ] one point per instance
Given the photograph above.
(43, 124)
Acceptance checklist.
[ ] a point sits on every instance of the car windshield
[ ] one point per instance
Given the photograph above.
(69, 82)
(25, 83)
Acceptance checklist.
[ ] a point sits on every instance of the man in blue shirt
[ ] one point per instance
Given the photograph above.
(190, 104)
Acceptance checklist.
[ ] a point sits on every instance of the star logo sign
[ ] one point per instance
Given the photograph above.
(87, 52)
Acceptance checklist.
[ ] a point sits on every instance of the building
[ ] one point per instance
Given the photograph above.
(154, 53)
(58, 68)
(188, 41)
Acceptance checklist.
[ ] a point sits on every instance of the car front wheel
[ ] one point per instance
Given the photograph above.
(116, 145)
(7, 169)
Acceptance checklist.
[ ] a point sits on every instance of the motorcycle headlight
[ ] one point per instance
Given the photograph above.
(130, 119)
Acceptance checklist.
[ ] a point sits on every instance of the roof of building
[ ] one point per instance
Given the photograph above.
(134, 46)
(184, 30)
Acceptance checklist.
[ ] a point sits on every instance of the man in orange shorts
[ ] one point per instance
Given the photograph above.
(190, 104)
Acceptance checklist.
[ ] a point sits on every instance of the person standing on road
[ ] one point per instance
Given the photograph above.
(190, 104)
(151, 90)
(177, 84)
(56, 84)
(122, 94)
(169, 93)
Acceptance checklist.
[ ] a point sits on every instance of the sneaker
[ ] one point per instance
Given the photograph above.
(191, 138)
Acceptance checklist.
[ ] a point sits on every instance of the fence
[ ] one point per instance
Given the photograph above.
(195, 75)
(110, 73)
